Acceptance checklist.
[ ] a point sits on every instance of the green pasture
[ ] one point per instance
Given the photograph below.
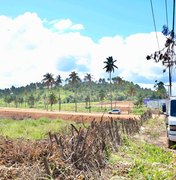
(81, 107)
(32, 129)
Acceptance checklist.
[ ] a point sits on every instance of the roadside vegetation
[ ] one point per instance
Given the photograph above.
(141, 160)
(130, 151)
(32, 129)
(145, 155)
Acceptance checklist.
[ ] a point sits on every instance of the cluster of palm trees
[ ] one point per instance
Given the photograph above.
(50, 81)
(74, 80)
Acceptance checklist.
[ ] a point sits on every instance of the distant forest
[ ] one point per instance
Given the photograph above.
(75, 90)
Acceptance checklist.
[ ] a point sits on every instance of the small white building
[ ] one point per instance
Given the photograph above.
(156, 103)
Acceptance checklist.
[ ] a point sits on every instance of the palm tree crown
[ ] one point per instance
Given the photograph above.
(110, 64)
(88, 77)
(58, 80)
(73, 78)
(48, 79)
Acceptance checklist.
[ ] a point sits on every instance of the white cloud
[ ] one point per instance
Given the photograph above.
(130, 54)
(66, 24)
(77, 27)
(63, 24)
(28, 50)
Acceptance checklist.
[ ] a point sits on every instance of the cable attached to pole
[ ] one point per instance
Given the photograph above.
(154, 24)
(166, 13)
(173, 20)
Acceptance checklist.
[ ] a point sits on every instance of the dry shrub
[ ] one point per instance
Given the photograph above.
(80, 154)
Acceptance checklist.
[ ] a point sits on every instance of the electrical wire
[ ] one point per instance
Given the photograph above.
(170, 44)
(166, 13)
(154, 24)
(173, 21)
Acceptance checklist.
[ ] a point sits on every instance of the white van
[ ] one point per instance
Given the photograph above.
(170, 110)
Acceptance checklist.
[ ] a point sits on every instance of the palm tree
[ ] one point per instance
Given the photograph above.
(52, 100)
(49, 81)
(31, 101)
(131, 92)
(102, 95)
(110, 66)
(101, 81)
(88, 78)
(118, 82)
(74, 80)
(58, 83)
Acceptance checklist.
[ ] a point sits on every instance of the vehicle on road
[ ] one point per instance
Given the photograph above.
(170, 111)
(114, 111)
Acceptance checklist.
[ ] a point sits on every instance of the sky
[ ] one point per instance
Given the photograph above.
(62, 36)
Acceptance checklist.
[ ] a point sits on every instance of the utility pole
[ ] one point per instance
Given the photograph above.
(171, 48)
(169, 60)
(167, 55)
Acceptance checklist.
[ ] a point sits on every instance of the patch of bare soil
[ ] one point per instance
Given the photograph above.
(124, 106)
(17, 113)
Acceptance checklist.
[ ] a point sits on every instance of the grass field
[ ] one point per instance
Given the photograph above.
(31, 129)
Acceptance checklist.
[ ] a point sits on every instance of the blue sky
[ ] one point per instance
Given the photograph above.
(60, 36)
(100, 17)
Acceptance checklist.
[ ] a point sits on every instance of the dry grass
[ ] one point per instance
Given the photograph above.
(81, 154)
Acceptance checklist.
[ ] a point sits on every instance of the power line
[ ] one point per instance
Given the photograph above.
(154, 24)
(173, 20)
(166, 12)
(167, 54)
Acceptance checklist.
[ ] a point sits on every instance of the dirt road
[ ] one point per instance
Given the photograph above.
(18, 113)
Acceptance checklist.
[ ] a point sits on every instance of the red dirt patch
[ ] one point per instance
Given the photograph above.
(17, 113)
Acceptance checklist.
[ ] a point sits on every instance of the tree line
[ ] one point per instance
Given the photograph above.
(52, 90)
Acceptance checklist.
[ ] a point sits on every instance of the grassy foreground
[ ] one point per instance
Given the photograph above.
(137, 158)
(140, 160)
(143, 157)
(31, 129)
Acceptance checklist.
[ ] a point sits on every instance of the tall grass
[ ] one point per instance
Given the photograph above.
(29, 128)
(139, 110)
(141, 158)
